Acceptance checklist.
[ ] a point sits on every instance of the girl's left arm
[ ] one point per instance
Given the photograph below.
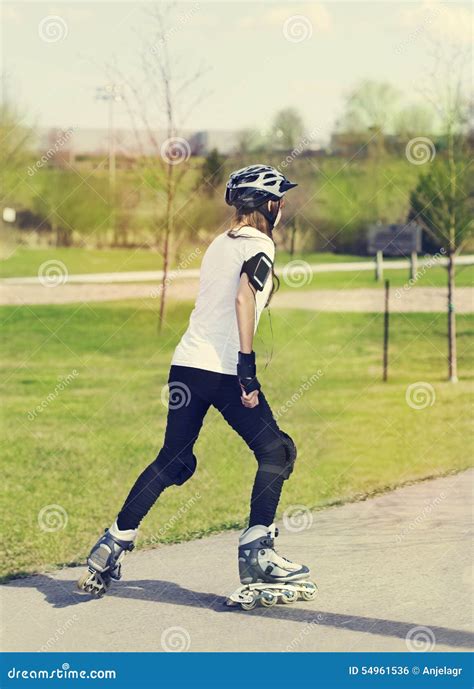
(245, 310)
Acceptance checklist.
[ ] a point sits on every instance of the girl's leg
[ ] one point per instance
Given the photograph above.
(175, 462)
(274, 450)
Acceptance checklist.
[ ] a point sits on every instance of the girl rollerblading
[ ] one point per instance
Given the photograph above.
(214, 365)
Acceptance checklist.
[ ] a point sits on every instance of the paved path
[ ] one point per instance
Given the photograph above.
(429, 299)
(393, 570)
(295, 267)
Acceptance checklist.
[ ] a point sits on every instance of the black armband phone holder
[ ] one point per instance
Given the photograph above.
(257, 269)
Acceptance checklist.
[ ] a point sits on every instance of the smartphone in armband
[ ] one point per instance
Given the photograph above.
(262, 270)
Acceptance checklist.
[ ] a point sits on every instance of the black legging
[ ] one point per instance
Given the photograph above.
(192, 392)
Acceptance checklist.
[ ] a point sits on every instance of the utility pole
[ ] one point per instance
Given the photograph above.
(112, 93)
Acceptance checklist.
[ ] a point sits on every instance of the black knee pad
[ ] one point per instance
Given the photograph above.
(291, 451)
(176, 471)
(278, 456)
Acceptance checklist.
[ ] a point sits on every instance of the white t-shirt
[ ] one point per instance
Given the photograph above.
(211, 341)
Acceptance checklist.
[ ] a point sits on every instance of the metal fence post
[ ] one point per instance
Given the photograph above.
(413, 265)
(379, 266)
(386, 330)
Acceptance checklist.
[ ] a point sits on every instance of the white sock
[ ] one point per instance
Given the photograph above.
(128, 535)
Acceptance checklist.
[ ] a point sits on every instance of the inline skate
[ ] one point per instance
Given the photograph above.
(266, 576)
(104, 561)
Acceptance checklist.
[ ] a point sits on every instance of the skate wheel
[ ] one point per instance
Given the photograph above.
(309, 592)
(268, 599)
(249, 606)
(289, 596)
(89, 583)
(83, 583)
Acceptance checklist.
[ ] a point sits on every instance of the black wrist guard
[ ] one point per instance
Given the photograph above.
(247, 372)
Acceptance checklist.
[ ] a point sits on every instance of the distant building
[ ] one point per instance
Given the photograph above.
(394, 240)
(88, 141)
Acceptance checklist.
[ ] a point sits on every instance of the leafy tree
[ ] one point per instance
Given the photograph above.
(15, 138)
(249, 141)
(371, 105)
(414, 120)
(67, 205)
(441, 203)
(287, 129)
(212, 172)
(442, 200)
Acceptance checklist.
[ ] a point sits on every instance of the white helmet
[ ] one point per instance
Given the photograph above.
(251, 186)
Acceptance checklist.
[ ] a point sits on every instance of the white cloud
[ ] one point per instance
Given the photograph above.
(446, 22)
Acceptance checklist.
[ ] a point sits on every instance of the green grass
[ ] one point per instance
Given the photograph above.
(25, 261)
(355, 434)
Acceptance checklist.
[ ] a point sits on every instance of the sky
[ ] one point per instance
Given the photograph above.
(258, 57)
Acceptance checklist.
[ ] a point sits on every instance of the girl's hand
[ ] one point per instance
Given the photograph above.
(249, 400)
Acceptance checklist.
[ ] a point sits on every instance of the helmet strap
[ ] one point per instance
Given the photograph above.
(270, 217)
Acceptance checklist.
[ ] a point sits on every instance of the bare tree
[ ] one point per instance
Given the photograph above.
(162, 99)
(441, 200)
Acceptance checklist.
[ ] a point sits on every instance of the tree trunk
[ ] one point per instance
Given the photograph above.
(452, 354)
(294, 229)
(166, 243)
